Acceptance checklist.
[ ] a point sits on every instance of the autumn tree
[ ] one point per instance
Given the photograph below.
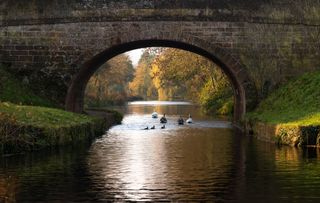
(163, 74)
(183, 75)
(142, 85)
(109, 85)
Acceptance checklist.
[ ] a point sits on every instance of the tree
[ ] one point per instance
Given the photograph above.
(109, 85)
(163, 74)
(142, 85)
(183, 75)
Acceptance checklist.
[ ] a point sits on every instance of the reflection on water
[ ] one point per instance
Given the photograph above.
(171, 109)
(203, 161)
(161, 164)
(159, 103)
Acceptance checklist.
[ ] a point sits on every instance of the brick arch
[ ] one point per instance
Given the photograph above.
(245, 95)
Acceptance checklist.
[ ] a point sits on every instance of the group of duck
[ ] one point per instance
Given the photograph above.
(163, 120)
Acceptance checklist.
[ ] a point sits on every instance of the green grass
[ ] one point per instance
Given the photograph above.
(296, 103)
(43, 117)
(27, 128)
(27, 123)
(12, 90)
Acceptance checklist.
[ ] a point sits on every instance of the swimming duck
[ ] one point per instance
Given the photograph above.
(153, 127)
(189, 120)
(146, 128)
(163, 119)
(163, 127)
(154, 115)
(180, 121)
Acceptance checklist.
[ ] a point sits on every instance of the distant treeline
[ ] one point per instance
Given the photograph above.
(109, 85)
(162, 74)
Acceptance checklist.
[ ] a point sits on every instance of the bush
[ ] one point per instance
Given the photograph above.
(218, 101)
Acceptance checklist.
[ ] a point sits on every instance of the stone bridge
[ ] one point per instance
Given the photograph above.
(55, 45)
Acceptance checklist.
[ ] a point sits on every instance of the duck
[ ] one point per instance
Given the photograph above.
(189, 120)
(153, 127)
(163, 127)
(146, 128)
(163, 119)
(154, 114)
(180, 121)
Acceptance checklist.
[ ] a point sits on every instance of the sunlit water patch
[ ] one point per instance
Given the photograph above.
(159, 103)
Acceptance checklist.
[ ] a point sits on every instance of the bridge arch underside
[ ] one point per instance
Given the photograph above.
(244, 90)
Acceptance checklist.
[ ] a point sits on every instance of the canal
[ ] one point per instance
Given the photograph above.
(204, 161)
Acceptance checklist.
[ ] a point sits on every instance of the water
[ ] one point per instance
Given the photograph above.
(204, 161)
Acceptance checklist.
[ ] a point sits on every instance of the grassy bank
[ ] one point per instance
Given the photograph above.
(28, 122)
(117, 116)
(293, 110)
(25, 128)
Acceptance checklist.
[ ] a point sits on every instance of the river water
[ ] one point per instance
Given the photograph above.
(204, 161)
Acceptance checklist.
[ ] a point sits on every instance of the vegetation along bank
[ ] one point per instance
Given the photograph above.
(30, 122)
(291, 114)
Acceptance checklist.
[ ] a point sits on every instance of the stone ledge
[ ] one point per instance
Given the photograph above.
(284, 134)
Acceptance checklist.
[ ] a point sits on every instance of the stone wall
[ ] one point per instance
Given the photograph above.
(283, 134)
(50, 55)
(19, 12)
(47, 42)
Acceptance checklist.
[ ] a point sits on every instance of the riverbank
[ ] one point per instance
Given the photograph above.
(28, 128)
(291, 114)
(29, 122)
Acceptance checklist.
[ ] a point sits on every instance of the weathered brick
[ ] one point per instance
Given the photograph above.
(7, 58)
(250, 40)
(19, 53)
(41, 59)
(17, 47)
(40, 47)
(26, 58)
(38, 52)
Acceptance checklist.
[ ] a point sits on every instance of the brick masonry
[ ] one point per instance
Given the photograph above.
(258, 46)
